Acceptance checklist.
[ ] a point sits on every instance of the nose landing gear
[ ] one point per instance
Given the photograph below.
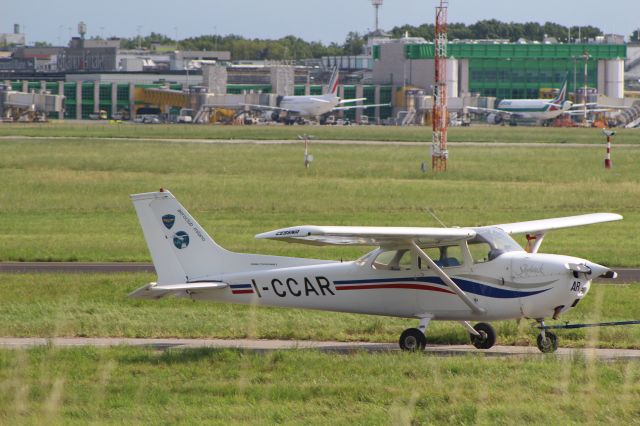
(547, 341)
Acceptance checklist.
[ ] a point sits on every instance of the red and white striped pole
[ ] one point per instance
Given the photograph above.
(607, 158)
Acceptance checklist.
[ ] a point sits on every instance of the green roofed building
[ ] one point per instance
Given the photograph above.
(503, 70)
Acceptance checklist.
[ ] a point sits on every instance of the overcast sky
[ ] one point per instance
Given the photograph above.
(326, 20)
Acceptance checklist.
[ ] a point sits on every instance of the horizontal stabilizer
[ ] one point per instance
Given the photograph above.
(344, 108)
(344, 101)
(367, 235)
(153, 291)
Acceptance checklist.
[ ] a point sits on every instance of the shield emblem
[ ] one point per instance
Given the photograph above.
(168, 220)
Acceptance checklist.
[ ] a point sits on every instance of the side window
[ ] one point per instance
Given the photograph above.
(451, 256)
(405, 261)
(393, 260)
(444, 257)
(479, 251)
(433, 253)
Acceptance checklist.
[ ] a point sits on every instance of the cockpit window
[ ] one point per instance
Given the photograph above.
(489, 243)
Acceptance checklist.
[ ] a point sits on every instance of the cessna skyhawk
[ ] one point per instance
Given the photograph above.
(452, 274)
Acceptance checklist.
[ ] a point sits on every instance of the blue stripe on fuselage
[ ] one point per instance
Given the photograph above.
(238, 286)
(466, 286)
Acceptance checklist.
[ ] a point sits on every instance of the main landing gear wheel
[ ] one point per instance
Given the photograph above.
(487, 336)
(412, 340)
(547, 343)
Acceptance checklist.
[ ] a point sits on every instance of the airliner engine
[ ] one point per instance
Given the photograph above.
(494, 119)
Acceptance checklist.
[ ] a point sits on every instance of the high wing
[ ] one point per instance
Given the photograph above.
(544, 225)
(359, 107)
(367, 235)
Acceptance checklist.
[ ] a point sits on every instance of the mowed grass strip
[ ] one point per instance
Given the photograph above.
(86, 305)
(133, 385)
(68, 199)
(482, 133)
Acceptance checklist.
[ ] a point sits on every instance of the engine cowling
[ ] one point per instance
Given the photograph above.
(494, 119)
(271, 116)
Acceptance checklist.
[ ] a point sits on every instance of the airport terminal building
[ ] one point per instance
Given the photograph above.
(477, 72)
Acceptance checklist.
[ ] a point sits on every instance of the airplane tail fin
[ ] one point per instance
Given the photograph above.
(562, 95)
(333, 82)
(180, 248)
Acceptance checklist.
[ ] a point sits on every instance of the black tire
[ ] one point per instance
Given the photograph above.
(487, 336)
(412, 340)
(549, 344)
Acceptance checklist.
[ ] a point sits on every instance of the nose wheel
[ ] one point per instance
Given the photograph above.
(547, 341)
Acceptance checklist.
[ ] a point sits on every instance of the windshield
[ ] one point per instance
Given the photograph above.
(490, 243)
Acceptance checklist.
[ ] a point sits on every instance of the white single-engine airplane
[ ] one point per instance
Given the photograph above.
(455, 274)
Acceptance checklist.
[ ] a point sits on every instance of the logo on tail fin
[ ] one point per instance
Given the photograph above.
(562, 95)
(180, 239)
(168, 220)
(333, 82)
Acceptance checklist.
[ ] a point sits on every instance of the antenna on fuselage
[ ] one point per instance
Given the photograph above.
(433, 214)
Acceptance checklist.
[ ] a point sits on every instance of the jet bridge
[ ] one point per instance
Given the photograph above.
(22, 106)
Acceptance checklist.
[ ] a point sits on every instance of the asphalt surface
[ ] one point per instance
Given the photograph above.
(332, 347)
(74, 267)
(625, 275)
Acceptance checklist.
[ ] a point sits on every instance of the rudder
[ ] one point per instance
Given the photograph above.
(181, 249)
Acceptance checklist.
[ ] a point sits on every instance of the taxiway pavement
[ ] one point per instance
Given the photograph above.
(324, 346)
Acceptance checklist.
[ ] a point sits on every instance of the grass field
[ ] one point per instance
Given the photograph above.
(68, 199)
(482, 133)
(51, 305)
(133, 386)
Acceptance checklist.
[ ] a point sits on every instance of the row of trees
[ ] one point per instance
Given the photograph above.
(291, 47)
(494, 29)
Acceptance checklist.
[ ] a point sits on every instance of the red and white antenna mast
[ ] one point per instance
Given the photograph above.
(439, 151)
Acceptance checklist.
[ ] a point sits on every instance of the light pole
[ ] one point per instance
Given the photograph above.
(139, 27)
(584, 95)
(376, 4)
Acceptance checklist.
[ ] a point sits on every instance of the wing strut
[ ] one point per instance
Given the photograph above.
(448, 281)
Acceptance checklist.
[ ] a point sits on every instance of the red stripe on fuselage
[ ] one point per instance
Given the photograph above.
(241, 291)
(398, 285)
